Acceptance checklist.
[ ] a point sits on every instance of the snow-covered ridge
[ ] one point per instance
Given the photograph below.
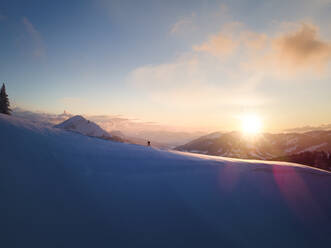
(314, 148)
(62, 189)
(79, 124)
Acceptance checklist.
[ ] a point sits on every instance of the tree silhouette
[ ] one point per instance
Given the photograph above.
(4, 101)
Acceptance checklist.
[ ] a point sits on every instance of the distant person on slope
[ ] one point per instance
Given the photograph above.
(148, 143)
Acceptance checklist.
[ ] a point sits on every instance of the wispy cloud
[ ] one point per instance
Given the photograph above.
(229, 67)
(219, 45)
(183, 24)
(39, 46)
(192, 77)
(194, 22)
(308, 128)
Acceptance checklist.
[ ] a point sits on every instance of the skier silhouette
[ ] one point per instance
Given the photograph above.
(148, 143)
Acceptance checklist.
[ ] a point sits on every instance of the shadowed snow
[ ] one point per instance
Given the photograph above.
(62, 189)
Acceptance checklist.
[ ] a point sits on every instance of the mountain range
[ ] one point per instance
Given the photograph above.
(262, 146)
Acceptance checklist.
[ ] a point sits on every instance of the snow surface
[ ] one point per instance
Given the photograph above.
(62, 189)
(314, 148)
(215, 135)
(292, 141)
(291, 149)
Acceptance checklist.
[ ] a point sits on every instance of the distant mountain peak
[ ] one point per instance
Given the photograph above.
(75, 119)
(81, 125)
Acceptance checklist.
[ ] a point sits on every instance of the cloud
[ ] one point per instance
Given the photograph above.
(202, 97)
(39, 46)
(228, 70)
(288, 54)
(218, 45)
(183, 24)
(195, 23)
(301, 49)
(191, 77)
(40, 117)
(184, 69)
(232, 39)
(222, 44)
(305, 129)
(253, 41)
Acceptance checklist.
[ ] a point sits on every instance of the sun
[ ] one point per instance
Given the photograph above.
(251, 124)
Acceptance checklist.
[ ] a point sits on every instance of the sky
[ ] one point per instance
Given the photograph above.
(195, 64)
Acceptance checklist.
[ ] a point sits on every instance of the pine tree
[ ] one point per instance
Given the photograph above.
(4, 101)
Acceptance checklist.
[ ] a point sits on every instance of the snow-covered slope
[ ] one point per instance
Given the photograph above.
(62, 189)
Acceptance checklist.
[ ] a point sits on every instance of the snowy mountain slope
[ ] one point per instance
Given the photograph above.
(263, 146)
(79, 124)
(62, 189)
